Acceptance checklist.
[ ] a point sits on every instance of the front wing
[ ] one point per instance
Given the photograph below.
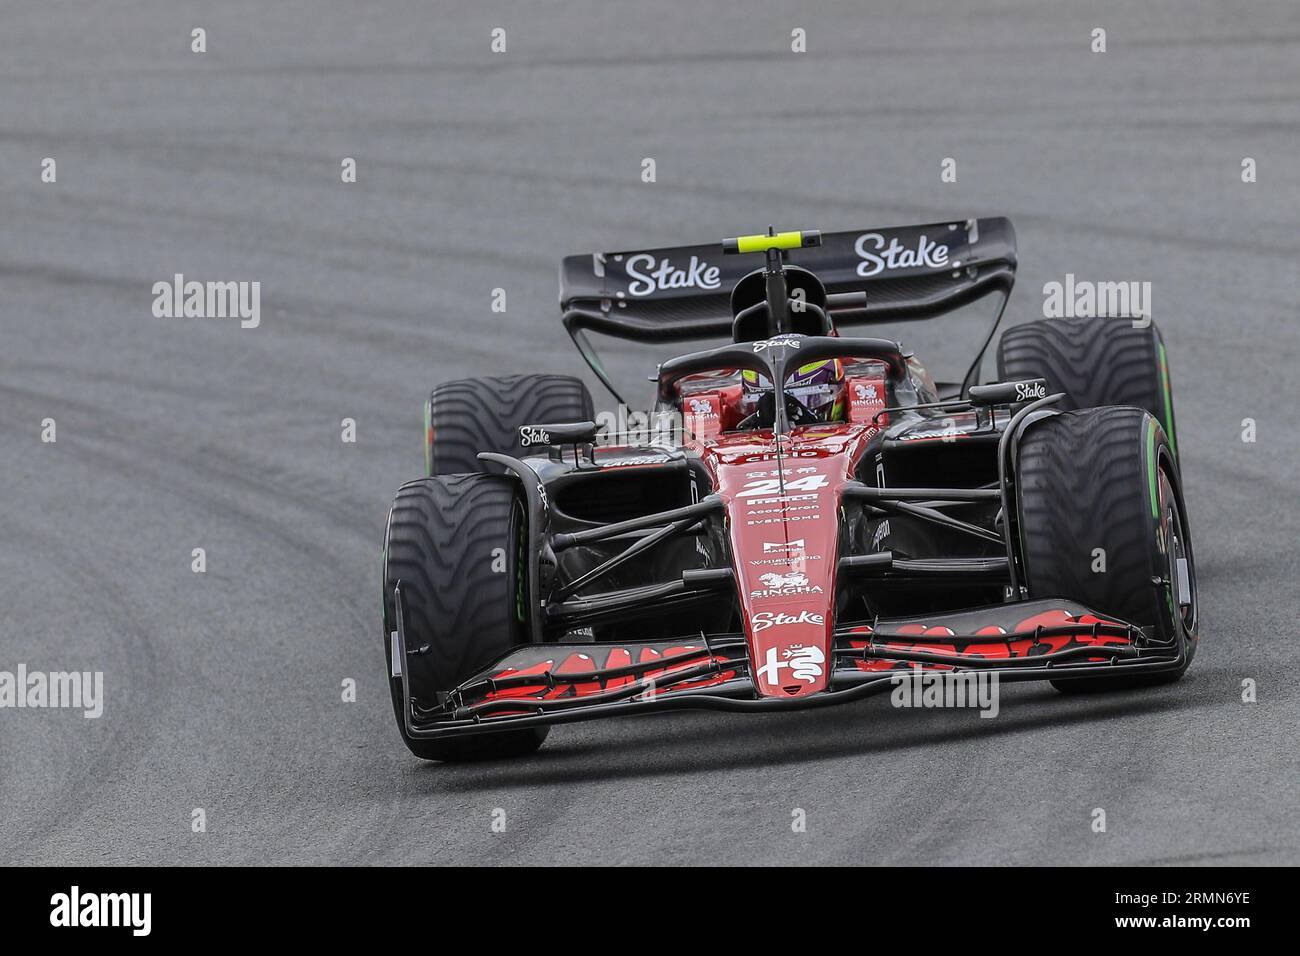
(563, 682)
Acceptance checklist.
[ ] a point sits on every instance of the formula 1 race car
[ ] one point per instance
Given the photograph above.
(809, 516)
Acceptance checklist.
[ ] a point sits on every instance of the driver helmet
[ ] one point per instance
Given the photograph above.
(816, 385)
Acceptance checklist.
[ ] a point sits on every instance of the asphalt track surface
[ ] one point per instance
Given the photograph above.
(478, 171)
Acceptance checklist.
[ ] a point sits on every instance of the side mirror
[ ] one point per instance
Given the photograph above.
(571, 433)
(1008, 393)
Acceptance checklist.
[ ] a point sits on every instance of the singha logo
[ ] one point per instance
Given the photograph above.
(781, 583)
(773, 579)
(702, 408)
(866, 393)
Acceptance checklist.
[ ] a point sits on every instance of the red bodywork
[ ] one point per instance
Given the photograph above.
(782, 499)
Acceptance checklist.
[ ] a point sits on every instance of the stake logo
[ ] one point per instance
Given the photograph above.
(1027, 390)
(927, 253)
(764, 344)
(698, 274)
(765, 619)
(533, 435)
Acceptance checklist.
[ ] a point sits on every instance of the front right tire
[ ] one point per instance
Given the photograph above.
(458, 545)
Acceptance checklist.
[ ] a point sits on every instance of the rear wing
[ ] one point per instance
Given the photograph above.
(679, 293)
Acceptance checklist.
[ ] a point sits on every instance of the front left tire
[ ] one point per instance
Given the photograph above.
(1102, 483)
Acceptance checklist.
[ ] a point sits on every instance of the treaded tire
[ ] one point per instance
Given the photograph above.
(470, 415)
(1106, 478)
(1096, 362)
(442, 543)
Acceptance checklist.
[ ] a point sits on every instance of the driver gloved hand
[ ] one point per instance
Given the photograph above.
(764, 415)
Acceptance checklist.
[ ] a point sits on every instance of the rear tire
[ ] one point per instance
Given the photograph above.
(458, 545)
(1095, 362)
(1106, 478)
(470, 415)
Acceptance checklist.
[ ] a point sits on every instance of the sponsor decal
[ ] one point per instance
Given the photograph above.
(795, 545)
(702, 408)
(927, 254)
(947, 431)
(779, 498)
(783, 456)
(792, 580)
(782, 508)
(778, 584)
(804, 661)
(533, 435)
(765, 619)
(789, 561)
(636, 460)
(1027, 390)
(787, 342)
(866, 392)
(645, 277)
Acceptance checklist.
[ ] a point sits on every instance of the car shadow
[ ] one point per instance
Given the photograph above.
(683, 744)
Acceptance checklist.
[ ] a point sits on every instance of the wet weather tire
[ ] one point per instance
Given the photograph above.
(457, 544)
(470, 415)
(1102, 522)
(1095, 362)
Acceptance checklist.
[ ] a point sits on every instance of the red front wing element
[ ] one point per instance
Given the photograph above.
(969, 654)
(550, 672)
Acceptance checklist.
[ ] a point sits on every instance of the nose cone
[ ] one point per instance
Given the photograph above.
(792, 663)
(784, 534)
